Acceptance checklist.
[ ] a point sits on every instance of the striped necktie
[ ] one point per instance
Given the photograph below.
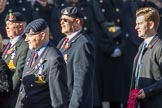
(35, 57)
(7, 48)
(64, 43)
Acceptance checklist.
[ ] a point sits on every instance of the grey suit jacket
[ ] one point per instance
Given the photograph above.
(21, 49)
(79, 56)
(151, 74)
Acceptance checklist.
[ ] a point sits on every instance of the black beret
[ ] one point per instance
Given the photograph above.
(72, 12)
(36, 26)
(15, 17)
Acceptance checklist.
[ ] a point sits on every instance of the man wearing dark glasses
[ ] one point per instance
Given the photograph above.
(78, 51)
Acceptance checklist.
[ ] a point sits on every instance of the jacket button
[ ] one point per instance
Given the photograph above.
(31, 85)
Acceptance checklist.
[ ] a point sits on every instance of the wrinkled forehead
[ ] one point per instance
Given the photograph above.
(66, 16)
(9, 23)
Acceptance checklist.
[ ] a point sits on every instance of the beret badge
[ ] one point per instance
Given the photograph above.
(65, 12)
(11, 17)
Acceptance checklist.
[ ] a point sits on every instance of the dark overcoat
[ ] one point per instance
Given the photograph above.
(44, 83)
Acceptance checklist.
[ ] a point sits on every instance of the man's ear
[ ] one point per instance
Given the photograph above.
(151, 24)
(43, 35)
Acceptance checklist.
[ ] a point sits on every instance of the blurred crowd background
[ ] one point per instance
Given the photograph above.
(110, 24)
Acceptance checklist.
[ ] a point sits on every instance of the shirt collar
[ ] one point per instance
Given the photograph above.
(73, 34)
(148, 40)
(42, 48)
(13, 41)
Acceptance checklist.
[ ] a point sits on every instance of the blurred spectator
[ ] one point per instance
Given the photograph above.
(42, 9)
(5, 79)
(110, 43)
(24, 7)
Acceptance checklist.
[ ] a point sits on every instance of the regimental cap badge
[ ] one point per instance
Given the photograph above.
(11, 17)
(15, 17)
(65, 12)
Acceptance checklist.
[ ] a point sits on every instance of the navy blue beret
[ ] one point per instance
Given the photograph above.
(36, 26)
(72, 12)
(15, 17)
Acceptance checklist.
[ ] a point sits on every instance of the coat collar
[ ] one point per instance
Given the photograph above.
(71, 41)
(153, 41)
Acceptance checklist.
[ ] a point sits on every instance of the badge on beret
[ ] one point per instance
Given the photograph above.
(65, 12)
(11, 17)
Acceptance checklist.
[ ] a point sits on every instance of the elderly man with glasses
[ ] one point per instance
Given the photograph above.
(79, 53)
(15, 51)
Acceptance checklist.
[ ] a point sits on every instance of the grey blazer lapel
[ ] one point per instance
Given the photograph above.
(71, 42)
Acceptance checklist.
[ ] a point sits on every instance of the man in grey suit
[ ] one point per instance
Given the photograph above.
(79, 53)
(147, 70)
(44, 75)
(15, 51)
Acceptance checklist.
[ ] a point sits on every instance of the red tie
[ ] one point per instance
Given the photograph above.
(34, 58)
(64, 42)
(7, 47)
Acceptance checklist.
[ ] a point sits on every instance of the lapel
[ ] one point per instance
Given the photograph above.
(71, 42)
(150, 45)
(153, 41)
(16, 45)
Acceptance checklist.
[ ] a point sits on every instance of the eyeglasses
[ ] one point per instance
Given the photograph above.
(66, 20)
(30, 35)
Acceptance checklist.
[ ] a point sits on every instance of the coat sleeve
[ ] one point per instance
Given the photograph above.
(58, 83)
(156, 87)
(20, 65)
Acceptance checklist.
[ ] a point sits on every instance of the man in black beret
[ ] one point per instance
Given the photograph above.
(79, 53)
(15, 51)
(44, 80)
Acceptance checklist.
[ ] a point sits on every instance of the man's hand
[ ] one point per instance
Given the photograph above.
(141, 94)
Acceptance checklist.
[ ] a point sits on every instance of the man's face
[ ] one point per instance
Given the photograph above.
(2, 5)
(142, 27)
(33, 40)
(67, 24)
(13, 29)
